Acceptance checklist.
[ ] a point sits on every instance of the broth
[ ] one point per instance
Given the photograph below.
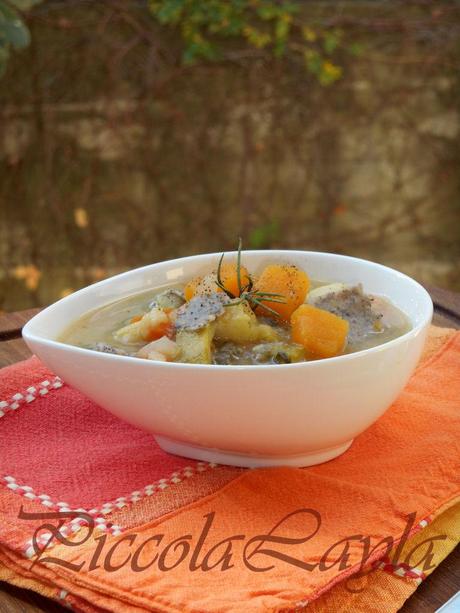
(97, 330)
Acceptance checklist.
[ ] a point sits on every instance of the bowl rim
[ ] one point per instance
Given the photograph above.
(29, 335)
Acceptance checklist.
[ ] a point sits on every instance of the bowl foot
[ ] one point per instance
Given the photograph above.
(208, 454)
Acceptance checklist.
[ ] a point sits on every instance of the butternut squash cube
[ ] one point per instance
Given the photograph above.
(288, 281)
(323, 334)
(208, 285)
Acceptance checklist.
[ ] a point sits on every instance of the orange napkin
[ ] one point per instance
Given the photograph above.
(228, 540)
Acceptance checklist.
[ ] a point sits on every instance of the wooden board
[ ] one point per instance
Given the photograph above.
(441, 585)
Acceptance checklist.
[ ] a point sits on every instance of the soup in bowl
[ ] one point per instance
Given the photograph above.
(280, 360)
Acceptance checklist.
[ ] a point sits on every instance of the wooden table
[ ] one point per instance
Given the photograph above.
(432, 594)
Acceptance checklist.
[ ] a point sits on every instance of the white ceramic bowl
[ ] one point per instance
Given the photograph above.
(265, 415)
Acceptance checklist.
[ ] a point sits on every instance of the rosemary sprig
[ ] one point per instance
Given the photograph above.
(238, 263)
(254, 298)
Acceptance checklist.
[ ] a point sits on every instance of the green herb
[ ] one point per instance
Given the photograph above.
(254, 298)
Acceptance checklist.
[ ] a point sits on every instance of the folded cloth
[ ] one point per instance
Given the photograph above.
(94, 514)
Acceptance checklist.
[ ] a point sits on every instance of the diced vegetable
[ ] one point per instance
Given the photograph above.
(323, 334)
(324, 290)
(163, 329)
(169, 299)
(201, 285)
(164, 346)
(195, 346)
(151, 326)
(287, 280)
(280, 353)
(207, 284)
(156, 356)
(229, 278)
(190, 288)
(239, 325)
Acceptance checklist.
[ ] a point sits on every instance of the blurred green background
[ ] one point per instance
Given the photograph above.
(134, 131)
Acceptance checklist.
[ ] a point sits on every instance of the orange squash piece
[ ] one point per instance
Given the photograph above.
(229, 278)
(207, 284)
(191, 288)
(323, 334)
(287, 280)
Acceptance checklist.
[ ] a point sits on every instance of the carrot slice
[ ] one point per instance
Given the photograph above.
(323, 334)
(287, 280)
(163, 329)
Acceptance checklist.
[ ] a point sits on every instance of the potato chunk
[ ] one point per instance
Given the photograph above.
(325, 290)
(323, 334)
(195, 346)
(239, 325)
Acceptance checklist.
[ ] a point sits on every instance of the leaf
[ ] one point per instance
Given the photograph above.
(313, 61)
(256, 37)
(169, 11)
(197, 50)
(282, 27)
(309, 34)
(17, 34)
(267, 12)
(329, 73)
(330, 43)
(263, 236)
(12, 29)
(356, 49)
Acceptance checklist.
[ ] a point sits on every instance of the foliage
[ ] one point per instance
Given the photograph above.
(263, 236)
(215, 30)
(212, 29)
(14, 33)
